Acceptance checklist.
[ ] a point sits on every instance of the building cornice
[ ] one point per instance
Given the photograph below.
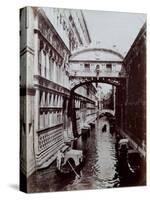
(41, 12)
(85, 24)
(96, 49)
(94, 61)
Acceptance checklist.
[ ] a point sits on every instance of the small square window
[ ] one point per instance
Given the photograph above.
(87, 67)
(109, 67)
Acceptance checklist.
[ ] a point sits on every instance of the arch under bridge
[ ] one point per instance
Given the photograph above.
(94, 65)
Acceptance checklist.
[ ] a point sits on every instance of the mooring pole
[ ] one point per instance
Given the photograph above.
(72, 113)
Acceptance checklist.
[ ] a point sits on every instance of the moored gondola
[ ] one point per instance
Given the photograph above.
(73, 162)
(134, 161)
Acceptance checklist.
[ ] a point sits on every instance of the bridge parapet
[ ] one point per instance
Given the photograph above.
(104, 111)
(88, 74)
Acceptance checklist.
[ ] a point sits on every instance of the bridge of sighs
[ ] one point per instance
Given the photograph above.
(94, 66)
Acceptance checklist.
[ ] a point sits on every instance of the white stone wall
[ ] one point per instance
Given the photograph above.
(27, 91)
(64, 24)
(45, 80)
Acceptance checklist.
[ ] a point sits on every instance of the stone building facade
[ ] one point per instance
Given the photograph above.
(47, 38)
(86, 109)
(131, 98)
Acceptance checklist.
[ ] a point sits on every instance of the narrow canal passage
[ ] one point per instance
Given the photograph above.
(99, 171)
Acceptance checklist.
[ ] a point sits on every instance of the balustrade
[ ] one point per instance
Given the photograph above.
(48, 139)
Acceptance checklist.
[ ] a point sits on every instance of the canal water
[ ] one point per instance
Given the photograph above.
(100, 169)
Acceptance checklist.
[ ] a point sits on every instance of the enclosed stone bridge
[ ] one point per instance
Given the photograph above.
(95, 65)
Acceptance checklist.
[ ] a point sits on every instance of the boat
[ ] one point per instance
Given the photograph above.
(104, 129)
(85, 130)
(112, 127)
(123, 143)
(129, 159)
(122, 150)
(92, 124)
(85, 126)
(73, 160)
(134, 161)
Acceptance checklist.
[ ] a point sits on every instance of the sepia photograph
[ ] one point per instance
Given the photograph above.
(82, 99)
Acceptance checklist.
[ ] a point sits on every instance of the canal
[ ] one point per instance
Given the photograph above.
(100, 170)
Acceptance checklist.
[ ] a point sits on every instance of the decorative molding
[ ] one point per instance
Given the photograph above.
(97, 49)
(25, 50)
(95, 61)
(49, 128)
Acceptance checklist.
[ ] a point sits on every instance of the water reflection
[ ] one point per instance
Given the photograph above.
(100, 170)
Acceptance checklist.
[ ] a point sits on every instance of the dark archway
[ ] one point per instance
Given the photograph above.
(71, 104)
(99, 80)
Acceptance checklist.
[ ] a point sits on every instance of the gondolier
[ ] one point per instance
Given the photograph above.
(70, 162)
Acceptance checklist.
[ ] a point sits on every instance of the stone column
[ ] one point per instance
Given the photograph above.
(43, 99)
(42, 62)
(47, 66)
(52, 99)
(47, 101)
(114, 101)
(36, 46)
(54, 71)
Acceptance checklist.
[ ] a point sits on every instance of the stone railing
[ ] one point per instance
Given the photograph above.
(90, 73)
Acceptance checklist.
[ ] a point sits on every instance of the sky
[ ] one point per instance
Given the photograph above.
(114, 30)
(105, 87)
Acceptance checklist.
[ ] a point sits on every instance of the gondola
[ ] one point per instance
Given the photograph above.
(73, 162)
(129, 159)
(104, 128)
(134, 161)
